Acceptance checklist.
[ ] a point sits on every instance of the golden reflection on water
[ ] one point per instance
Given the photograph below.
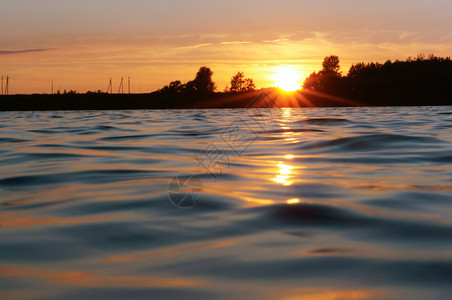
(286, 114)
(284, 174)
(93, 279)
(330, 294)
(17, 220)
(293, 201)
(256, 201)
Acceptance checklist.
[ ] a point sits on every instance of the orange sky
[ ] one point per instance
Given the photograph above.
(81, 44)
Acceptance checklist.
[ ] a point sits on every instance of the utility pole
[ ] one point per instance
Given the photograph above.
(129, 85)
(7, 85)
(110, 87)
(2, 86)
(121, 86)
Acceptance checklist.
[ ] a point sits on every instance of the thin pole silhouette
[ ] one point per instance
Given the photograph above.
(7, 85)
(121, 86)
(129, 85)
(2, 86)
(52, 87)
(110, 87)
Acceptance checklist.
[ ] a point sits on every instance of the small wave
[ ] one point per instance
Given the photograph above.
(86, 177)
(415, 201)
(309, 191)
(194, 133)
(44, 131)
(371, 142)
(327, 216)
(113, 148)
(51, 156)
(12, 140)
(294, 130)
(325, 121)
(104, 127)
(329, 251)
(358, 270)
(313, 214)
(127, 137)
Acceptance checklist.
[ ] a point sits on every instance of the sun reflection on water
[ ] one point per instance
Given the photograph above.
(286, 114)
(284, 177)
(293, 201)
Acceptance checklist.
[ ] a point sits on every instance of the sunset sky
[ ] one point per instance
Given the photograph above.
(81, 44)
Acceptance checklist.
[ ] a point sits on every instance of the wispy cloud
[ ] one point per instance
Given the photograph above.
(5, 52)
(234, 43)
(196, 46)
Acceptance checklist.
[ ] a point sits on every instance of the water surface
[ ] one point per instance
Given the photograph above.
(327, 203)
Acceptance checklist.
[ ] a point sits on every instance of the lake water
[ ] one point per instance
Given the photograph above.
(321, 203)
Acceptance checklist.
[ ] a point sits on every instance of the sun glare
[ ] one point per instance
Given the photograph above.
(287, 79)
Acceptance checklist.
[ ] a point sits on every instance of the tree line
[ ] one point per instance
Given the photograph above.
(419, 80)
(204, 85)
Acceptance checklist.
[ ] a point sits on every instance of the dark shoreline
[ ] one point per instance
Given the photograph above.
(257, 99)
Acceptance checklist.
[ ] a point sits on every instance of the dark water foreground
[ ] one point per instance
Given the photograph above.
(338, 203)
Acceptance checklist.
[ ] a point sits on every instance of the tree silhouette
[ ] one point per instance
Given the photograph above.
(313, 81)
(237, 82)
(175, 86)
(331, 64)
(201, 85)
(249, 85)
(203, 82)
(241, 84)
(327, 78)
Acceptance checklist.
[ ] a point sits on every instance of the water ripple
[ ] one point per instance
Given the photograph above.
(328, 203)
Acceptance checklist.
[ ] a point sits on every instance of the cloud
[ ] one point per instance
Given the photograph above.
(5, 52)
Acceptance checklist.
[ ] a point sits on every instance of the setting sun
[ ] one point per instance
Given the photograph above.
(287, 79)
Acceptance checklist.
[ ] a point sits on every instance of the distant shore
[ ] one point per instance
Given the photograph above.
(257, 99)
(420, 81)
